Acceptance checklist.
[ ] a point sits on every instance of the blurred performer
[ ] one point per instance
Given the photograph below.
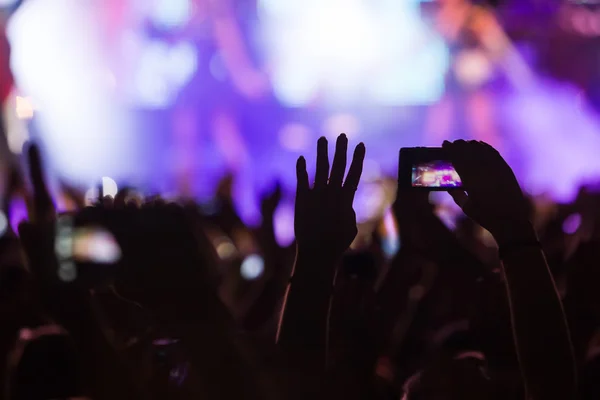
(477, 45)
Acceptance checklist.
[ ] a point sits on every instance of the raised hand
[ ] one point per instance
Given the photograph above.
(65, 303)
(492, 196)
(270, 201)
(494, 199)
(325, 221)
(325, 226)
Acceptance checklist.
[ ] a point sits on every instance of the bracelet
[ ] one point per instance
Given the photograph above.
(509, 247)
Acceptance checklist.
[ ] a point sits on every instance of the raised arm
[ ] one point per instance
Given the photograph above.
(493, 198)
(325, 226)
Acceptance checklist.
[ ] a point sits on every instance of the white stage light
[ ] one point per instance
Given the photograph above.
(57, 59)
(171, 14)
(351, 50)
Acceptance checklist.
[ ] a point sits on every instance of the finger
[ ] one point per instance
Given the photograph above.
(355, 170)
(322, 172)
(42, 202)
(301, 176)
(460, 198)
(279, 191)
(458, 154)
(339, 161)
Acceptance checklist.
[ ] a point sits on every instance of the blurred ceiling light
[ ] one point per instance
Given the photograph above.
(295, 136)
(252, 267)
(170, 14)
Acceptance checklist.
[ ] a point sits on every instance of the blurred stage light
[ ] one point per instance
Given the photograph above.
(350, 50)
(284, 224)
(23, 107)
(57, 59)
(217, 67)
(3, 223)
(369, 200)
(163, 70)
(341, 123)
(252, 267)
(371, 170)
(17, 133)
(169, 14)
(109, 187)
(390, 235)
(473, 68)
(295, 136)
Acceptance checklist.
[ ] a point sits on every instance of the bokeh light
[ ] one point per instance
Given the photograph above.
(295, 136)
(109, 187)
(284, 224)
(252, 267)
(3, 223)
(225, 248)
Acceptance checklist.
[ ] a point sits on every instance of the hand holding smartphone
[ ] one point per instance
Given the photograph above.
(426, 168)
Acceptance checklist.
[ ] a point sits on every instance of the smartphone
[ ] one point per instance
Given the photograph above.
(426, 168)
(84, 249)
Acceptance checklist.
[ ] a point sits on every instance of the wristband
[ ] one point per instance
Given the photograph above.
(509, 247)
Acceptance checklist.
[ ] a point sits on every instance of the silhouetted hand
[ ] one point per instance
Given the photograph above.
(492, 196)
(325, 221)
(270, 201)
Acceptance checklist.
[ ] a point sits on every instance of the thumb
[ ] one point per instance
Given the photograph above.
(461, 199)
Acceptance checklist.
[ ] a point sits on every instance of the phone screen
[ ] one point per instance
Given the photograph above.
(435, 174)
(95, 245)
(76, 246)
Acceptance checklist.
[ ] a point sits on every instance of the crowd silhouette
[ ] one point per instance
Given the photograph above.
(448, 317)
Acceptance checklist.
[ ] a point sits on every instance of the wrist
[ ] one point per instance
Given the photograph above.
(314, 266)
(514, 232)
